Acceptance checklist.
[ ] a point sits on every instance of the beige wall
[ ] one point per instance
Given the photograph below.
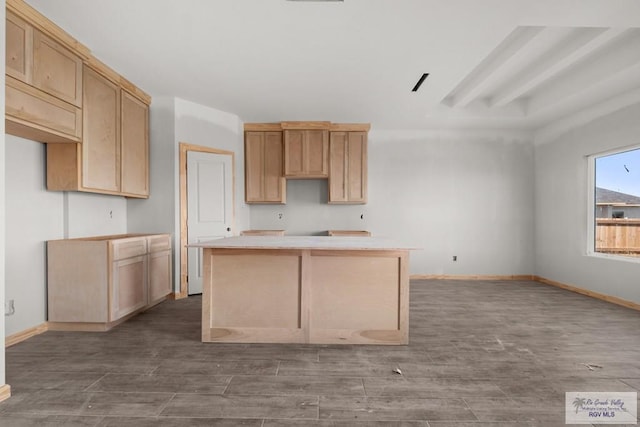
(561, 187)
(468, 194)
(35, 215)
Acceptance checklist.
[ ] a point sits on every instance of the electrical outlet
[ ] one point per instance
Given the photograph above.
(9, 308)
(280, 215)
(455, 257)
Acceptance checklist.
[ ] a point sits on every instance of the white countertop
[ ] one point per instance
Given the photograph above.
(304, 242)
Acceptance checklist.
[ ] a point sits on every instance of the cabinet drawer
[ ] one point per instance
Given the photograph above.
(159, 243)
(127, 248)
(54, 120)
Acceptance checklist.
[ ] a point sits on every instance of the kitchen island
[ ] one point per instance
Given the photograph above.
(298, 289)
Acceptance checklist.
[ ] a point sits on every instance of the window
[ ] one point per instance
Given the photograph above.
(615, 204)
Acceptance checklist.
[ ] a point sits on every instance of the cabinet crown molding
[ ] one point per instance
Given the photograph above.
(108, 72)
(302, 125)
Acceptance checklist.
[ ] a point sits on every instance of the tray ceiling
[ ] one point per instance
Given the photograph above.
(508, 64)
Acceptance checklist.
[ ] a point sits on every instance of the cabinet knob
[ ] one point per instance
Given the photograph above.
(228, 228)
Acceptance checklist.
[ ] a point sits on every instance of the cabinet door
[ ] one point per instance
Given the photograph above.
(129, 286)
(254, 166)
(134, 146)
(56, 70)
(306, 153)
(19, 48)
(338, 167)
(348, 167)
(101, 137)
(316, 153)
(274, 183)
(264, 182)
(357, 167)
(294, 153)
(159, 275)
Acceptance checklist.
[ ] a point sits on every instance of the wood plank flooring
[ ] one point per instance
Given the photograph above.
(481, 354)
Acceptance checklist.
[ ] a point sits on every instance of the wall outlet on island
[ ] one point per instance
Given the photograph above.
(9, 308)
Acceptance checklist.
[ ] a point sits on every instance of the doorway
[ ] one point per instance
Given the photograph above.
(207, 190)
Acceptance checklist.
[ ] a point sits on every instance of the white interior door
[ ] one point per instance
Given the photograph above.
(209, 206)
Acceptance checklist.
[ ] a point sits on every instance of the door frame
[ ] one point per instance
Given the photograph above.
(184, 260)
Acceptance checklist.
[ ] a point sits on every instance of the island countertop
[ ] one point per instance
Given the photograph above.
(305, 243)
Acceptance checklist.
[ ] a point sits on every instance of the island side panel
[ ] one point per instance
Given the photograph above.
(359, 297)
(78, 283)
(253, 296)
(403, 259)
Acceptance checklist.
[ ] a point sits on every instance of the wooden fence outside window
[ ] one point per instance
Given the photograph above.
(618, 236)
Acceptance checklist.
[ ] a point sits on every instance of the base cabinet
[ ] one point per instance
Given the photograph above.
(96, 283)
(283, 294)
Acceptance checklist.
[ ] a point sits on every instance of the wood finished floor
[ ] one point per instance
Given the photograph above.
(481, 354)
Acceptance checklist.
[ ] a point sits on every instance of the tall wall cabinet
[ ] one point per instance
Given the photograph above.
(264, 182)
(113, 157)
(96, 123)
(348, 167)
(293, 150)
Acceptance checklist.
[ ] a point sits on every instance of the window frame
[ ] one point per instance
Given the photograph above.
(591, 205)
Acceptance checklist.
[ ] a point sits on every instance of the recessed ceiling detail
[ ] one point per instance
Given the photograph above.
(517, 65)
(540, 71)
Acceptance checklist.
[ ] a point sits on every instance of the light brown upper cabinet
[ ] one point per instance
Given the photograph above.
(291, 150)
(57, 92)
(113, 156)
(134, 133)
(43, 85)
(100, 146)
(348, 167)
(264, 182)
(306, 153)
(93, 165)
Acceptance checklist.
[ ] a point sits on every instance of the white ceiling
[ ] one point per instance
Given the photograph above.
(514, 64)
